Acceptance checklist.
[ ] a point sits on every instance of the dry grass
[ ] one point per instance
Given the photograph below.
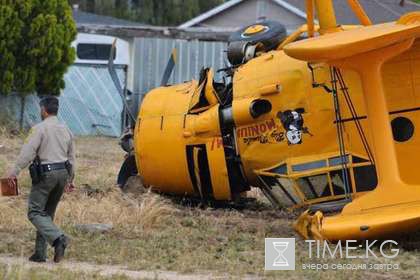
(122, 211)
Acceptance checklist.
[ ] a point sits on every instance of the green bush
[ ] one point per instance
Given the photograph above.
(35, 50)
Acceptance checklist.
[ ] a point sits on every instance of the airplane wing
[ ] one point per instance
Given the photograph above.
(394, 206)
(336, 46)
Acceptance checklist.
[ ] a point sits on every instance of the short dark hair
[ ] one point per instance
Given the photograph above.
(50, 104)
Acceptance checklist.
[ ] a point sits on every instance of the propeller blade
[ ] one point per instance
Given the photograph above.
(114, 76)
(128, 169)
(169, 68)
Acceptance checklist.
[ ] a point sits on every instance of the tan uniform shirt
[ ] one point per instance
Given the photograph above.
(51, 140)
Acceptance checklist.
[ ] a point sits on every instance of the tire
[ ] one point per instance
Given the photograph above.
(128, 169)
(269, 33)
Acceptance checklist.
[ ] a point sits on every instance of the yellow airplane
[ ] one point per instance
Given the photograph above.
(326, 123)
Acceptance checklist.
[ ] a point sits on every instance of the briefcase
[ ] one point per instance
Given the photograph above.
(8, 189)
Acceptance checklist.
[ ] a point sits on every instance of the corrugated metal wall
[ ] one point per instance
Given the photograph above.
(152, 54)
(90, 102)
(89, 105)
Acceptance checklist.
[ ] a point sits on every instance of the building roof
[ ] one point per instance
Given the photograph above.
(378, 10)
(232, 3)
(84, 18)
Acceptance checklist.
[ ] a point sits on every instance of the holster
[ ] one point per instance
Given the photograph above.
(35, 171)
(69, 168)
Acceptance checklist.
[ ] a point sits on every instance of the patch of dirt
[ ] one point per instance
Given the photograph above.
(113, 270)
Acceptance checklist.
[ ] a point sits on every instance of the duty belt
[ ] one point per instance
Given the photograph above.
(53, 166)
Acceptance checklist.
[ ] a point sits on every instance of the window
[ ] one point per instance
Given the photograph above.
(338, 182)
(365, 178)
(314, 186)
(402, 129)
(94, 51)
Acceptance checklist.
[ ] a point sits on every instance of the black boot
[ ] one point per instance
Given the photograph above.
(60, 245)
(36, 258)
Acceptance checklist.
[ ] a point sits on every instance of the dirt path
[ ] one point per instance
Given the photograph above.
(110, 270)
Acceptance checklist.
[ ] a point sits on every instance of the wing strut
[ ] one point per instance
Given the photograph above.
(117, 83)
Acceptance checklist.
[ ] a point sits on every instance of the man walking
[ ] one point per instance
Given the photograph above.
(51, 144)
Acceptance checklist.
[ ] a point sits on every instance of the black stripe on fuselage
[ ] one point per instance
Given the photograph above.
(391, 113)
(203, 165)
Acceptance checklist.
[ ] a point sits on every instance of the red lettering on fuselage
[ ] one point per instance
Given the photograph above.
(216, 143)
(242, 132)
(255, 130)
(263, 128)
(271, 124)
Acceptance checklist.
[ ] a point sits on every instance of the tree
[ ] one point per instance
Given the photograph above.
(35, 50)
(208, 4)
(171, 12)
(157, 12)
(11, 24)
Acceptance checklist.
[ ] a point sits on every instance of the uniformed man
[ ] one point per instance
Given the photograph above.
(53, 144)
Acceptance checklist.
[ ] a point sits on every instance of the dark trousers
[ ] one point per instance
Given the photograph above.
(42, 204)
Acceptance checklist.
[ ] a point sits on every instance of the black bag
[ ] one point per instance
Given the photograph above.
(35, 171)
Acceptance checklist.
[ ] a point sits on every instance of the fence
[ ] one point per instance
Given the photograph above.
(151, 56)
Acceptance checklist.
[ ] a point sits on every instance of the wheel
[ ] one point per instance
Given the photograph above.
(269, 33)
(263, 36)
